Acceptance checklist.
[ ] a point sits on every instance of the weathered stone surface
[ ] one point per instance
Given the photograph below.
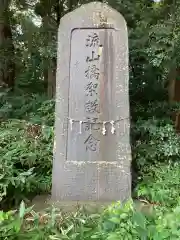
(92, 83)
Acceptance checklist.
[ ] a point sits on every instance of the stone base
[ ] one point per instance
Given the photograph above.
(43, 202)
(91, 182)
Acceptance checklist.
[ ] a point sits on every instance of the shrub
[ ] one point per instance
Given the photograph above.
(116, 222)
(19, 106)
(156, 141)
(161, 184)
(44, 114)
(26, 144)
(26, 159)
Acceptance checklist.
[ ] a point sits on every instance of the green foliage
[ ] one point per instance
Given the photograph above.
(26, 159)
(19, 105)
(44, 114)
(153, 136)
(116, 222)
(156, 141)
(161, 110)
(161, 184)
(25, 147)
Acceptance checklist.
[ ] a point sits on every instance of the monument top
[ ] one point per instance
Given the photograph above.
(97, 15)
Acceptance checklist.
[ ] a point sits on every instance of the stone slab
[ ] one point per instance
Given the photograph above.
(92, 83)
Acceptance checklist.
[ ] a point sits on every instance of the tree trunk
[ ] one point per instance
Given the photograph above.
(171, 84)
(45, 60)
(50, 68)
(48, 10)
(7, 64)
(51, 82)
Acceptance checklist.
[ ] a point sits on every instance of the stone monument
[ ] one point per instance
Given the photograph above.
(92, 154)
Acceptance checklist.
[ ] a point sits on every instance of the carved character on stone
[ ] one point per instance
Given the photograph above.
(91, 143)
(91, 89)
(92, 40)
(92, 72)
(92, 57)
(92, 106)
(91, 124)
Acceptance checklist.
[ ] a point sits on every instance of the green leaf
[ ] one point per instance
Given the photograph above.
(139, 219)
(22, 210)
(113, 236)
(115, 220)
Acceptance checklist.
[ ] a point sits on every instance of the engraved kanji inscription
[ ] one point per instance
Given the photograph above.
(91, 124)
(92, 106)
(92, 72)
(92, 143)
(93, 57)
(91, 89)
(92, 40)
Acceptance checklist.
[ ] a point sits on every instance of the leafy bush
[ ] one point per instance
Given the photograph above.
(26, 159)
(161, 184)
(158, 110)
(116, 222)
(26, 143)
(19, 106)
(44, 114)
(156, 141)
(153, 136)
